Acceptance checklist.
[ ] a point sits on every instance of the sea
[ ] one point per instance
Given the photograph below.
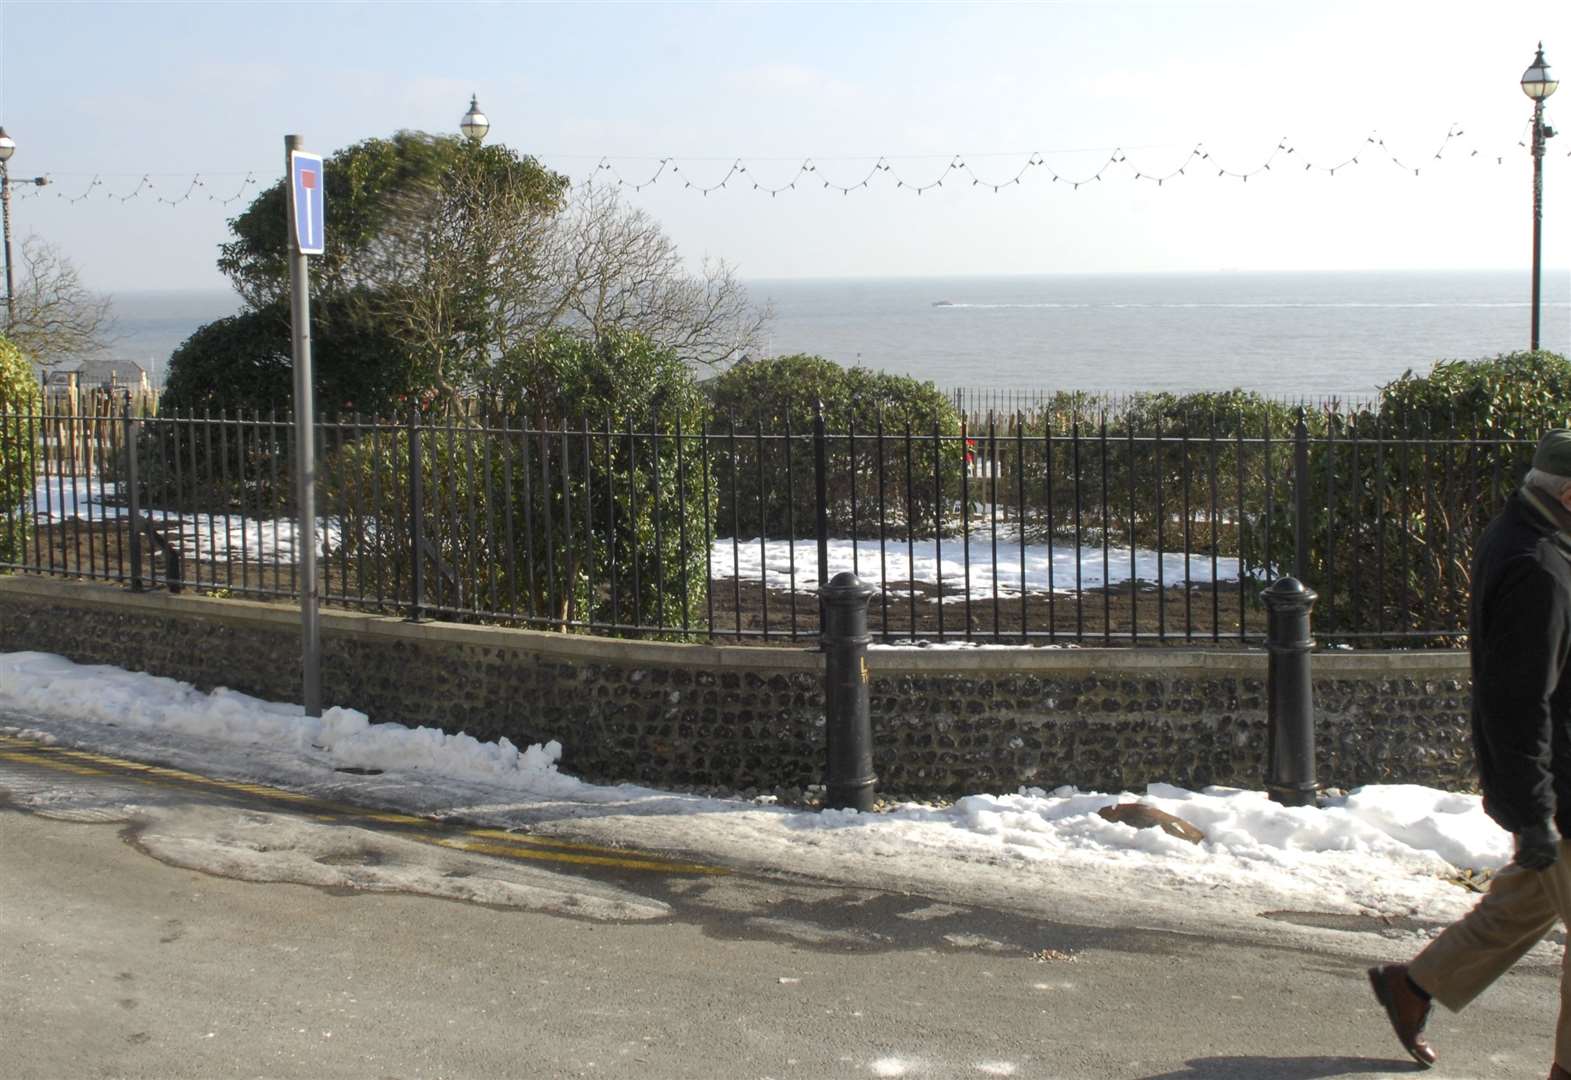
(1290, 335)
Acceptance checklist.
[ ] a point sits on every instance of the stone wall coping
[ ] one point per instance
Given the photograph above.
(894, 660)
(546, 643)
(1159, 661)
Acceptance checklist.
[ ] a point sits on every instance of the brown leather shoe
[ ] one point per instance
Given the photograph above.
(1407, 1011)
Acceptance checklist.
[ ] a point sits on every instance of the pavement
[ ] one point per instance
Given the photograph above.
(352, 942)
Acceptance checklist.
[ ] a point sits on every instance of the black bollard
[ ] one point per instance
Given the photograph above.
(1290, 745)
(848, 774)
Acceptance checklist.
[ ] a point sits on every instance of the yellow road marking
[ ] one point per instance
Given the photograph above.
(623, 862)
(48, 763)
(541, 841)
(482, 841)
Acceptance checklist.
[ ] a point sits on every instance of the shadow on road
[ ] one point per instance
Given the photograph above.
(1287, 1068)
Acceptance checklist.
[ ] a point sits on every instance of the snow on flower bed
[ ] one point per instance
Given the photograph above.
(1047, 566)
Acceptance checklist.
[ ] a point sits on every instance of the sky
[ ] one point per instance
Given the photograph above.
(1381, 851)
(100, 95)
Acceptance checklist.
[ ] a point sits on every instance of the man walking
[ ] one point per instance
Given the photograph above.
(1519, 635)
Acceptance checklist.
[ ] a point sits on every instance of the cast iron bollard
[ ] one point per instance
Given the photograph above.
(848, 776)
(1290, 745)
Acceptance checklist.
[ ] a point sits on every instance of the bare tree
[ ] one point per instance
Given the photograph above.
(470, 268)
(617, 269)
(57, 319)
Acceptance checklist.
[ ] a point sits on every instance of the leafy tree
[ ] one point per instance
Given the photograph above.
(463, 253)
(366, 187)
(459, 268)
(405, 283)
(19, 397)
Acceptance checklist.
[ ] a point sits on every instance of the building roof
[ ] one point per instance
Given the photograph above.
(100, 373)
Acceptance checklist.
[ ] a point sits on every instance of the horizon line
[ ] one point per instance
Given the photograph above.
(826, 278)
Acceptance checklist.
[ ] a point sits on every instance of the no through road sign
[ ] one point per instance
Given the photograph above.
(306, 201)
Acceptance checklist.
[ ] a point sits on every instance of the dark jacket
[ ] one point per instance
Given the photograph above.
(1520, 640)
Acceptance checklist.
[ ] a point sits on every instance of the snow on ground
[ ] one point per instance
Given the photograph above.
(209, 537)
(1047, 567)
(280, 847)
(1377, 851)
(1038, 568)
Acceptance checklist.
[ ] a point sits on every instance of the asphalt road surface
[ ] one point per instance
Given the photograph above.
(130, 947)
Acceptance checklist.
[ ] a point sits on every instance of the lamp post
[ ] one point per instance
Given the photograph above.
(7, 148)
(1538, 84)
(474, 125)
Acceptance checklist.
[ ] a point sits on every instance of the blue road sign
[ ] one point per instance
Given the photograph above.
(306, 201)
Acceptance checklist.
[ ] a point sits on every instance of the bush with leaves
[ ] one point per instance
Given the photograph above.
(1401, 492)
(767, 485)
(245, 363)
(1161, 470)
(556, 501)
(231, 378)
(20, 398)
(1243, 439)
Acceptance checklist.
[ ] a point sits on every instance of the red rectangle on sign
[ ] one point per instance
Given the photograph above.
(307, 178)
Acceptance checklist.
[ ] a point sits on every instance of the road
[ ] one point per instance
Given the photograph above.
(135, 946)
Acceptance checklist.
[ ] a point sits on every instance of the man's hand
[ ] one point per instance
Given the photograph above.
(1537, 847)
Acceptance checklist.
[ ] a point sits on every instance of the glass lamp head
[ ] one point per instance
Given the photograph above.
(474, 125)
(1537, 81)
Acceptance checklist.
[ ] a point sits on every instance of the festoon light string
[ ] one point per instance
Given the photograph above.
(145, 186)
(754, 174)
(808, 171)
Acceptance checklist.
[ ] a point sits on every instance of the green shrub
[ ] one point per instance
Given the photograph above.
(245, 362)
(556, 501)
(756, 401)
(19, 396)
(1402, 492)
(1143, 471)
(242, 367)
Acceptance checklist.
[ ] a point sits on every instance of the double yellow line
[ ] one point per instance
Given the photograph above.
(480, 841)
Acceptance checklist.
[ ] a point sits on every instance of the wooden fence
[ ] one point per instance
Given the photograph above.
(77, 431)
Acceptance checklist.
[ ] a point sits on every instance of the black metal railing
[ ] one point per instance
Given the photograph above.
(1017, 531)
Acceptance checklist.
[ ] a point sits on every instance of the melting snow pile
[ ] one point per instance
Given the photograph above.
(1378, 849)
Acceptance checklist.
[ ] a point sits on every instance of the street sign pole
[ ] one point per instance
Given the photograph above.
(305, 440)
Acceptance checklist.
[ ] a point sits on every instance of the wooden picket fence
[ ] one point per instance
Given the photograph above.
(77, 430)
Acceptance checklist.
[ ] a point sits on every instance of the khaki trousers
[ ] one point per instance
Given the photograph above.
(1520, 907)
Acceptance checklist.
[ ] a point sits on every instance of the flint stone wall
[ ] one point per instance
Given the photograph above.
(945, 721)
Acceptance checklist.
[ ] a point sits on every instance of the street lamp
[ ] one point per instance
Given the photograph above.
(1538, 83)
(7, 148)
(474, 125)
